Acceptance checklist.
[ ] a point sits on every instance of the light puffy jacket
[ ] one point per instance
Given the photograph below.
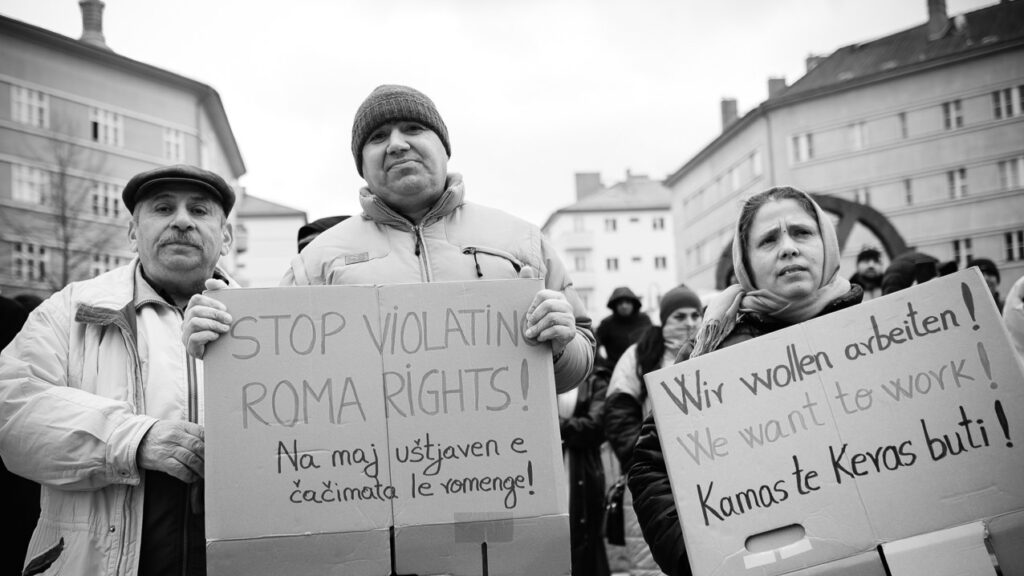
(455, 241)
(72, 415)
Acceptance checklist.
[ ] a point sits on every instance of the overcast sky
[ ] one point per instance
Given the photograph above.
(532, 91)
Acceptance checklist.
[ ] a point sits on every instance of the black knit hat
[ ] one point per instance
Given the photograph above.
(676, 298)
(180, 175)
(391, 103)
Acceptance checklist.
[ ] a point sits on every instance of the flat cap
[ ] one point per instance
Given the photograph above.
(179, 174)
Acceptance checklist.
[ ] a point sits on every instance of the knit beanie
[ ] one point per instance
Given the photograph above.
(392, 103)
(676, 298)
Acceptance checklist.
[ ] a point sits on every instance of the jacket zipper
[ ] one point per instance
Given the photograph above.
(133, 351)
(421, 253)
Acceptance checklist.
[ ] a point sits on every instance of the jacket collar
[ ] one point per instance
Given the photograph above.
(375, 209)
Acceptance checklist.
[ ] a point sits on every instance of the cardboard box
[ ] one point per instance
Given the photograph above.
(813, 444)
(349, 425)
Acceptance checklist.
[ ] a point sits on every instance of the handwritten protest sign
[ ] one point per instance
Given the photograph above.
(896, 417)
(349, 425)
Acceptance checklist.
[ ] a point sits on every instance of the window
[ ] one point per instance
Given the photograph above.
(102, 263)
(908, 192)
(755, 163)
(862, 196)
(29, 184)
(734, 179)
(30, 107)
(1006, 103)
(579, 263)
(802, 148)
(957, 181)
(962, 252)
(612, 264)
(106, 201)
(30, 261)
(1010, 173)
(610, 225)
(952, 115)
(1014, 245)
(660, 262)
(658, 223)
(578, 225)
(904, 132)
(174, 145)
(858, 136)
(107, 127)
(636, 259)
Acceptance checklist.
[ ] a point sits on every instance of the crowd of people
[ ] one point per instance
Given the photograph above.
(99, 385)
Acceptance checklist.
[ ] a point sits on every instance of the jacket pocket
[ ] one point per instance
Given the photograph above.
(42, 562)
(493, 263)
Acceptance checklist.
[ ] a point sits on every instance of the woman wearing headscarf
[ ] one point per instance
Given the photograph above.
(786, 257)
(680, 312)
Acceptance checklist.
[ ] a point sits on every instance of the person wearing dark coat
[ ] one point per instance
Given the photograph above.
(628, 403)
(622, 327)
(786, 256)
(582, 436)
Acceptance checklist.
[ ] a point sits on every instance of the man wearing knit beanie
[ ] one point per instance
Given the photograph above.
(416, 226)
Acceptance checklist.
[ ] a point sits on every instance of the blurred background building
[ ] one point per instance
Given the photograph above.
(925, 126)
(265, 240)
(77, 120)
(616, 236)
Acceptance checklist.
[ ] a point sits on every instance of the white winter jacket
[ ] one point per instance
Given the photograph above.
(456, 241)
(72, 415)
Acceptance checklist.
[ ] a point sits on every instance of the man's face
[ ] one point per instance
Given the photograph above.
(405, 164)
(870, 268)
(179, 234)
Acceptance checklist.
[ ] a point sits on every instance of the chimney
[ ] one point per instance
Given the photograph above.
(776, 86)
(92, 23)
(938, 21)
(813, 60)
(587, 183)
(729, 114)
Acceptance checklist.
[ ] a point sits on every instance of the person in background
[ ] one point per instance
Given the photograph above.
(680, 313)
(786, 256)
(28, 301)
(869, 272)
(307, 232)
(622, 327)
(22, 495)
(97, 394)
(1013, 317)
(579, 418)
(417, 226)
(909, 269)
(990, 272)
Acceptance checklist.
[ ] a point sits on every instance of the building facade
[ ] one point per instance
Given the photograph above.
(616, 236)
(926, 126)
(77, 121)
(266, 240)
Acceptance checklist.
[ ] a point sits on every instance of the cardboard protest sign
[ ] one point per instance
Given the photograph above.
(349, 427)
(896, 417)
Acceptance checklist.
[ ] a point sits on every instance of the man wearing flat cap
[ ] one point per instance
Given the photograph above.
(99, 403)
(416, 226)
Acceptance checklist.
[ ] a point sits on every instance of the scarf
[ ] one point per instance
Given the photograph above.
(722, 312)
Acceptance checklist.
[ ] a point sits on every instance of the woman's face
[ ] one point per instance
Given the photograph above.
(681, 325)
(785, 250)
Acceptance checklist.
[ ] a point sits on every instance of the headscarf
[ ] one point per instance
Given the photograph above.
(720, 316)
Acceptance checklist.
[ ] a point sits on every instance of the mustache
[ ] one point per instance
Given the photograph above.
(180, 238)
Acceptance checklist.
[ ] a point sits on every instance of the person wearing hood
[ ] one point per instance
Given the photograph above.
(680, 313)
(622, 327)
(786, 257)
